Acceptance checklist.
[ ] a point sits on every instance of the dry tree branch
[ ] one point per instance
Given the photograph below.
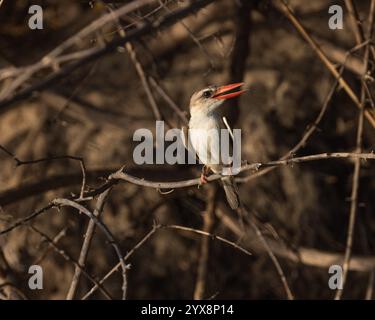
(353, 205)
(61, 180)
(11, 72)
(141, 73)
(86, 245)
(122, 176)
(311, 129)
(48, 159)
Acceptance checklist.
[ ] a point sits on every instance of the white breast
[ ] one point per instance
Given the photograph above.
(204, 137)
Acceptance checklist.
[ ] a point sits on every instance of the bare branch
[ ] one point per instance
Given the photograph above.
(66, 202)
(122, 176)
(86, 245)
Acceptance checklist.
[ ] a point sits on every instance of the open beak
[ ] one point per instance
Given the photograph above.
(228, 91)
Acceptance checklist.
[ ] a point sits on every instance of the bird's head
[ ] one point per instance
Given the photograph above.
(208, 99)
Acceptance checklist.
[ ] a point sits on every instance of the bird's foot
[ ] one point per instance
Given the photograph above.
(203, 178)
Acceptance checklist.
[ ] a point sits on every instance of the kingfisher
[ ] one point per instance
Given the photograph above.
(205, 127)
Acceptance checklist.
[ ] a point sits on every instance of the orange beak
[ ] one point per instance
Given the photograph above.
(228, 91)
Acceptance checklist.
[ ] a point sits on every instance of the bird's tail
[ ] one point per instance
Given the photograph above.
(231, 192)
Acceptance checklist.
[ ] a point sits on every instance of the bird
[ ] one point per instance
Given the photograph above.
(204, 136)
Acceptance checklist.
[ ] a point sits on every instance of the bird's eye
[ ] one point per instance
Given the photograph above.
(206, 94)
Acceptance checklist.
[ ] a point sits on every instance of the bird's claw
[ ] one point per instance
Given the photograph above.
(204, 174)
(202, 179)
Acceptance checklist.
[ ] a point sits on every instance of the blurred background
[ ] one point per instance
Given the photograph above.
(93, 112)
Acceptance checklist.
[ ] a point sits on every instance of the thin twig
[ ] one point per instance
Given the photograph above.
(86, 245)
(55, 240)
(209, 235)
(20, 162)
